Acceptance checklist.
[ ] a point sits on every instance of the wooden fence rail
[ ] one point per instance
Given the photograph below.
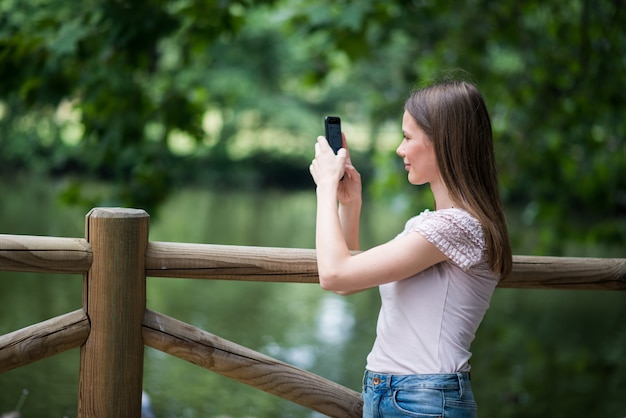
(247, 366)
(43, 340)
(45, 254)
(114, 324)
(229, 262)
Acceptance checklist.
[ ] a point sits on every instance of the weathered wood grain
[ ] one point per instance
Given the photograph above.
(224, 262)
(44, 254)
(43, 340)
(227, 262)
(247, 366)
(231, 262)
(114, 297)
(567, 273)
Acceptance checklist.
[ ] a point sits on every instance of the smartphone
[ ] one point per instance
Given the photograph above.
(332, 125)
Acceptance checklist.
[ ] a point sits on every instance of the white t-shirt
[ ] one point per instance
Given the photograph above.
(427, 322)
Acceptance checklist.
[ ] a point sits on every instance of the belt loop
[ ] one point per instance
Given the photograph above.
(459, 376)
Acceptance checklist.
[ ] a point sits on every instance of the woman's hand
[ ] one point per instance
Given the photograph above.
(349, 190)
(336, 171)
(327, 168)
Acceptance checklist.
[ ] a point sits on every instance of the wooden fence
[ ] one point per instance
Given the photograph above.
(113, 325)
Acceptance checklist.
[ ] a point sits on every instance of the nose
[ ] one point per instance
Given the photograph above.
(400, 150)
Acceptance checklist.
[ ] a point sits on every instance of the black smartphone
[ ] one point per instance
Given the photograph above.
(332, 125)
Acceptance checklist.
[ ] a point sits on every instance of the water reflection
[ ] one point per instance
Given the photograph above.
(333, 329)
(335, 320)
(300, 356)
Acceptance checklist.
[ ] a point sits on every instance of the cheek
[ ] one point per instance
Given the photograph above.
(423, 165)
(416, 154)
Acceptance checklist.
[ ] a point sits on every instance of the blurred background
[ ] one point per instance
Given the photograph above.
(204, 113)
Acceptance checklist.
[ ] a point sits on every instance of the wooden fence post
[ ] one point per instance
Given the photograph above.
(114, 298)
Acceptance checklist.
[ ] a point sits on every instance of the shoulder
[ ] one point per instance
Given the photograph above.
(455, 232)
(451, 220)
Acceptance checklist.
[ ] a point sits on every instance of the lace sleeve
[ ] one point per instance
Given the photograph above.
(455, 233)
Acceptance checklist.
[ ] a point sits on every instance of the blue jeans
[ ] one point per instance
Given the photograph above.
(424, 395)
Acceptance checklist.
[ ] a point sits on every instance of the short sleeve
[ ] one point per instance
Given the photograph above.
(455, 233)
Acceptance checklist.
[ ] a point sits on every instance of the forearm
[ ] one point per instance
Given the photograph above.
(350, 218)
(330, 242)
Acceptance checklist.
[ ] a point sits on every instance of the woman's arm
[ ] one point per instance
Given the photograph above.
(395, 260)
(338, 269)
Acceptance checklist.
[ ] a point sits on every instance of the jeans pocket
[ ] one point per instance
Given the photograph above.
(419, 402)
(457, 407)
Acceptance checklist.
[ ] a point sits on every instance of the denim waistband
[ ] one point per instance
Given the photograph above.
(446, 381)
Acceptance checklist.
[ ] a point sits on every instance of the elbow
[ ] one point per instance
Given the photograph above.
(334, 284)
(330, 281)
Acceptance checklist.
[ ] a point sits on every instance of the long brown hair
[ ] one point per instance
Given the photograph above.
(454, 116)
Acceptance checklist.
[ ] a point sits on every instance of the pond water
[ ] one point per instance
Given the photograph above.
(529, 340)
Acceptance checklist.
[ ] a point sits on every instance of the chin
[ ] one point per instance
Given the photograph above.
(417, 182)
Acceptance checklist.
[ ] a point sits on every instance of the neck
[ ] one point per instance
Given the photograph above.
(442, 196)
(447, 205)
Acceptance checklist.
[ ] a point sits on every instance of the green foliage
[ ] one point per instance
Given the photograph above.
(107, 59)
(550, 75)
(149, 94)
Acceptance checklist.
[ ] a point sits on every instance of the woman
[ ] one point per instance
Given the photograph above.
(435, 278)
